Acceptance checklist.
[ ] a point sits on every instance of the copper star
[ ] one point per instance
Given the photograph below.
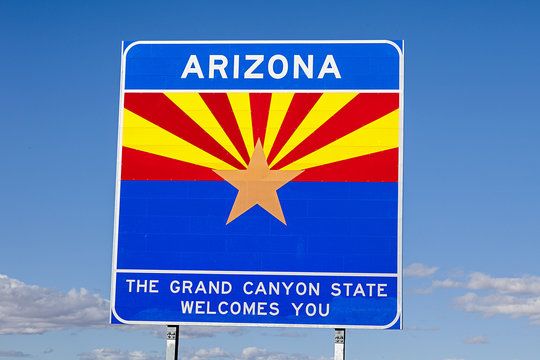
(257, 185)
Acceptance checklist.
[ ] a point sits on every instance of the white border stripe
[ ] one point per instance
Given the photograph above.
(263, 91)
(138, 271)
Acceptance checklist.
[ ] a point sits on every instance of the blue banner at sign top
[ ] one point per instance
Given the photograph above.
(291, 66)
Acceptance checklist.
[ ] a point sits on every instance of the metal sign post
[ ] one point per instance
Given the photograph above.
(172, 342)
(339, 344)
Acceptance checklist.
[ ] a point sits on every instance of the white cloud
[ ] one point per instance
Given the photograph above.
(291, 334)
(418, 328)
(476, 340)
(212, 353)
(30, 309)
(285, 334)
(253, 353)
(248, 353)
(495, 304)
(195, 332)
(514, 297)
(448, 283)
(114, 354)
(191, 332)
(429, 290)
(203, 354)
(529, 285)
(13, 354)
(48, 350)
(419, 270)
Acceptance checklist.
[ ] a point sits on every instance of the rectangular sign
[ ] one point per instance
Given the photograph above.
(259, 183)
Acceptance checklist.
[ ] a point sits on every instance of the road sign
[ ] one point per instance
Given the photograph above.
(259, 183)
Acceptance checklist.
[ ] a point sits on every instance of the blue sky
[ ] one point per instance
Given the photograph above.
(471, 165)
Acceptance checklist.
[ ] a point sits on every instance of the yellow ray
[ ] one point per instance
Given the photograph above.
(141, 134)
(279, 104)
(379, 135)
(324, 109)
(195, 107)
(242, 112)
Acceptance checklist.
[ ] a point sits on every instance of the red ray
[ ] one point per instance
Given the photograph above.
(219, 105)
(300, 106)
(376, 167)
(260, 106)
(158, 109)
(360, 111)
(140, 165)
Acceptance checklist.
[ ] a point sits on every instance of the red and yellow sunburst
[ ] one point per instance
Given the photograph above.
(332, 136)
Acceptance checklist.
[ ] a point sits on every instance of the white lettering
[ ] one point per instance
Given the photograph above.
(249, 74)
(346, 289)
(261, 308)
(213, 66)
(226, 287)
(284, 66)
(208, 311)
(248, 292)
(175, 286)
(359, 290)
(260, 289)
(323, 314)
(214, 287)
(187, 306)
(287, 288)
(274, 310)
(307, 69)
(297, 308)
(311, 309)
(141, 285)
(274, 288)
(223, 312)
(219, 63)
(380, 290)
(236, 65)
(130, 283)
(186, 286)
(249, 309)
(193, 67)
(153, 284)
(329, 67)
(199, 307)
(237, 306)
(200, 288)
(336, 291)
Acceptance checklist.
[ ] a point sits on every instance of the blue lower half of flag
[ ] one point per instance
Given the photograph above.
(346, 227)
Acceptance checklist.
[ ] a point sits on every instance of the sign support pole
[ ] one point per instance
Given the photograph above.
(339, 344)
(172, 342)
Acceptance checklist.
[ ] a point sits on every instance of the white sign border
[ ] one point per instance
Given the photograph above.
(399, 274)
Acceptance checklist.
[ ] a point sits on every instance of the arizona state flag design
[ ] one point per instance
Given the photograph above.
(259, 206)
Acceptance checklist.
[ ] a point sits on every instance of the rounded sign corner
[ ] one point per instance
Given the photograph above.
(115, 318)
(131, 45)
(395, 321)
(396, 46)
